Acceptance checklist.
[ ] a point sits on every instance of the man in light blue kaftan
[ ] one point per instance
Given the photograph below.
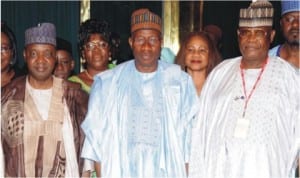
(141, 112)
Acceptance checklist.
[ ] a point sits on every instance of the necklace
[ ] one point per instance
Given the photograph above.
(88, 75)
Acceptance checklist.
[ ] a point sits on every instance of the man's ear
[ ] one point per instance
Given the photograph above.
(130, 42)
(273, 32)
(24, 55)
(72, 64)
(82, 54)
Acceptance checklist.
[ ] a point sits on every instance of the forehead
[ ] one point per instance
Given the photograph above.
(4, 38)
(40, 47)
(294, 13)
(146, 33)
(256, 28)
(62, 53)
(95, 37)
(197, 39)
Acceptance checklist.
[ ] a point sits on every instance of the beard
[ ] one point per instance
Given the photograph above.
(293, 40)
(294, 43)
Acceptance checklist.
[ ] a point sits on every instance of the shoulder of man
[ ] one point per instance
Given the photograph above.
(73, 91)
(15, 89)
(273, 51)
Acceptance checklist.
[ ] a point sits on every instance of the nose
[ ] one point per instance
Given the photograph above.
(251, 36)
(40, 58)
(59, 66)
(295, 23)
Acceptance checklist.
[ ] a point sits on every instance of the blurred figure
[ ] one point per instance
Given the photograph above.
(198, 56)
(115, 50)
(94, 45)
(8, 54)
(289, 50)
(216, 34)
(65, 62)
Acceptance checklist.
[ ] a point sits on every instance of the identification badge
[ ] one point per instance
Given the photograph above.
(241, 128)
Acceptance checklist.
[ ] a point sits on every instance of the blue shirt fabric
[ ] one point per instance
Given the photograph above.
(275, 51)
(138, 126)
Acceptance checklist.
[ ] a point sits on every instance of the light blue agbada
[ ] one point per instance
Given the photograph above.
(134, 135)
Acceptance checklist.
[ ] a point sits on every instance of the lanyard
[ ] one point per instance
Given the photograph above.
(247, 98)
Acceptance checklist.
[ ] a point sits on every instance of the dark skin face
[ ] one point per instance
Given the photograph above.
(6, 53)
(64, 65)
(97, 58)
(290, 28)
(254, 43)
(146, 46)
(40, 59)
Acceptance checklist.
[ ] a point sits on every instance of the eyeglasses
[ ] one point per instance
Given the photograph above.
(100, 45)
(151, 40)
(245, 33)
(291, 18)
(5, 49)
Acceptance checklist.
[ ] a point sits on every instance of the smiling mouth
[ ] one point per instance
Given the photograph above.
(251, 48)
(196, 61)
(41, 69)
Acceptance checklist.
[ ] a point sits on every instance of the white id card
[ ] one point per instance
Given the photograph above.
(241, 128)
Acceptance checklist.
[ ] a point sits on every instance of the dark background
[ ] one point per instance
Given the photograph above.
(20, 15)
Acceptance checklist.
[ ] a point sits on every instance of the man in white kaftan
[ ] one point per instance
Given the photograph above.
(251, 134)
(140, 113)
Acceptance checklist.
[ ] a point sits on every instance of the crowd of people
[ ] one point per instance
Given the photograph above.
(192, 114)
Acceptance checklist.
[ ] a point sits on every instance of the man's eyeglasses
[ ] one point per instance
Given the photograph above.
(92, 45)
(5, 49)
(246, 33)
(151, 40)
(290, 18)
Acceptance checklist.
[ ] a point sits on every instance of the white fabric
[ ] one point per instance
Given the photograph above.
(274, 51)
(41, 99)
(271, 148)
(72, 169)
(133, 137)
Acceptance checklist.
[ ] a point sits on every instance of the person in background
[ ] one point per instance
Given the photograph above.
(140, 113)
(289, 50)
(115, 50)
(8, 54)
(94, 45)
(215, 34)
(248, 122)
(198, 56)
(40, 121)
(65, 62)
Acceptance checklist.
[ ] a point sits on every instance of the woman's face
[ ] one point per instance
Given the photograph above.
(196, 54)
(96, 52)
(6, 52)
